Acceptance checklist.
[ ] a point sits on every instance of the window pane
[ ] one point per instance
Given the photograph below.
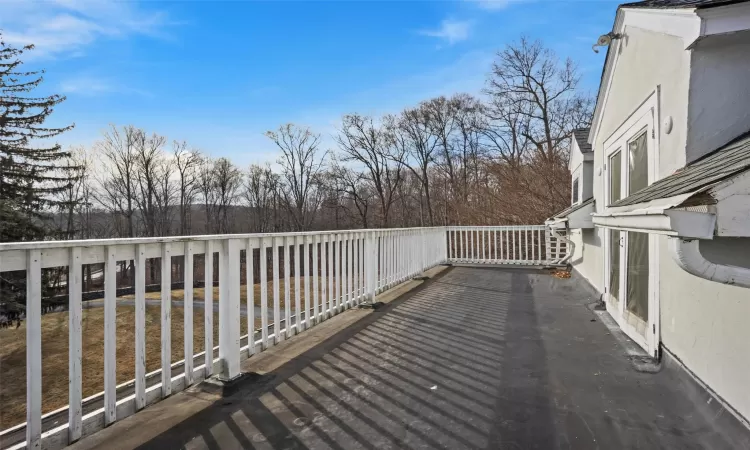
(614, 274)
(615, 178)
(575, 190)
(638, 274)
(638, 164)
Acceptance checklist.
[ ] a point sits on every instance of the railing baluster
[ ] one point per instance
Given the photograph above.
(263, 293)
(462, 244)
(287, 289)
(140, 327)
(528, 246)
(306, 277)
(537, 240)
(327, 309)
(188, 313)
(75, 294)
(340, 271)
(315, 286)
(297, 280)
(471, 244)
(208, 308)
(110, 335)
(357, 267)
(166, 319)
(453, 247)
(276, 294)
(250, 294)
(494, 242)
(34, 349)
(348, 262)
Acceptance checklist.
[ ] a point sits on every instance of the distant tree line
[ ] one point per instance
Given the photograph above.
(495, 159)
(498, 159)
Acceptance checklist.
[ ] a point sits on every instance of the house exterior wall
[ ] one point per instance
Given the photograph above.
(582, 168)
(704, 324)
(719, 93)
(647, 60)
(587, 256)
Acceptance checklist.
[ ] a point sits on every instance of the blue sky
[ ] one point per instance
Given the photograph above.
(219, 74)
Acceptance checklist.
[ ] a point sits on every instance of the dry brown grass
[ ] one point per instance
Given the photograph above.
(199, 293)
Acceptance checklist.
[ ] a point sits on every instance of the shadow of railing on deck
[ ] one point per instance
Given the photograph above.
(426, 370)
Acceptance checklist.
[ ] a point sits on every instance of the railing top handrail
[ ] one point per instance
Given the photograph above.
(36, 245)
(492, 227)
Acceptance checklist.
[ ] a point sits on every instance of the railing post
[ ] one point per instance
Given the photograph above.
(166, 319)
(34, 349)
(371, 263)
(229, 309)
(75, 350)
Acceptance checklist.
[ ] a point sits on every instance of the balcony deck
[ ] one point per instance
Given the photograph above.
(473, 358)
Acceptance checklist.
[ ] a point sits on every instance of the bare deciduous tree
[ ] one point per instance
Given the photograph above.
(187, 163)
(227, 181)
(117, 178)
(361, 141)
(416, 146)
(301, 166)
(261, 191)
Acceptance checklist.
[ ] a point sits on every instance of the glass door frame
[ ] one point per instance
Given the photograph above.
(644, 121)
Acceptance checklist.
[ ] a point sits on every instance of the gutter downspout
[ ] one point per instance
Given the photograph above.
(687, 255)
(570, 247)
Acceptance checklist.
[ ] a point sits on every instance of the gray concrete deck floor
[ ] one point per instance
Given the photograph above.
(474, 358)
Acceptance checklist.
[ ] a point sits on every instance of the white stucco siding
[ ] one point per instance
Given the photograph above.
(719, 93)
(587, 256)
(704, 323)
(646, 60)
(576, 157)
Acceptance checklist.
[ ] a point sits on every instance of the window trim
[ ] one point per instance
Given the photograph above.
(608, 183)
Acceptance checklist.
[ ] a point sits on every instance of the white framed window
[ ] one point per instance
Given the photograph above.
(576, 196)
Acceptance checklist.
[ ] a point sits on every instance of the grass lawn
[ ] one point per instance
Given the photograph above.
(199, 293)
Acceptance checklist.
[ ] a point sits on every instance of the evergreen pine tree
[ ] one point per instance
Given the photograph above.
(32, 170)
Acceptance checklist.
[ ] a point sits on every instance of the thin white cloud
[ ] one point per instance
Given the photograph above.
(493, 5)
(92, 86)
(66, 27)
(451, 31)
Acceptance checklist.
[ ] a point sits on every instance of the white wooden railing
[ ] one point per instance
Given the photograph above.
(521, 245)
(344, 269)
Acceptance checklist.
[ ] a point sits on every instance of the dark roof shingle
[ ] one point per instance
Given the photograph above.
(679, 3)
(571, 209)
(727, 161)
(581, 136)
